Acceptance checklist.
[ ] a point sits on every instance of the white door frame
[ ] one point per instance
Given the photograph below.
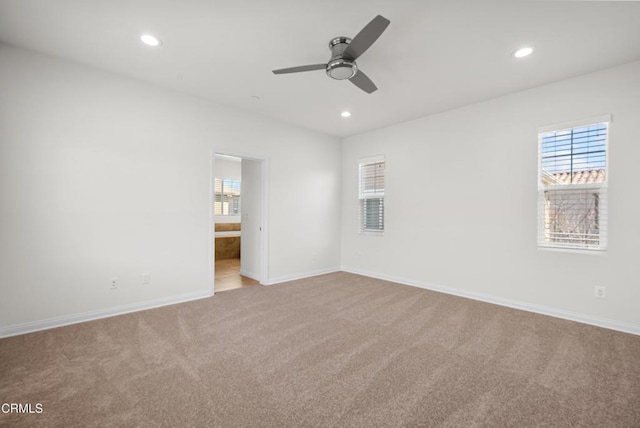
(264, 220)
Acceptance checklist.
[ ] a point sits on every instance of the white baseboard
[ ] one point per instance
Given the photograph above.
(301, 275)
(30, 327)
(17, 329)
(515, 304)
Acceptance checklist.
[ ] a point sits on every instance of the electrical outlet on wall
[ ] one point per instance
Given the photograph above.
(146, 278)
(600, 291)
(114, 282)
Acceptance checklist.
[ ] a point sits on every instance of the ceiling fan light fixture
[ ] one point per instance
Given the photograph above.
(342, 69)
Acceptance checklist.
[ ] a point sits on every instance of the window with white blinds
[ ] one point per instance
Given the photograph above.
(572, 186)
(226, 196)
(371, 194)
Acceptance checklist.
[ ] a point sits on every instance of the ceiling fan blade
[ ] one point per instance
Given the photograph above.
(300, 68)
(363, 82)
(366, 37)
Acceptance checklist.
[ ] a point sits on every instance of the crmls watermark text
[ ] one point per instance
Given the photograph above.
(21, 408)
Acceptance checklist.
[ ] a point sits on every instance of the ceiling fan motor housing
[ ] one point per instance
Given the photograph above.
(339, 67)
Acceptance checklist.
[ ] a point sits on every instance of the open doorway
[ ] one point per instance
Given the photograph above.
(238, 241)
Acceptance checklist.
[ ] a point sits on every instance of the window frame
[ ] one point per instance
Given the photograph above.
(601, 189)
(376, 194)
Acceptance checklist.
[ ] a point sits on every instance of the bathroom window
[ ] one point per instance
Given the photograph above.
(227, 197)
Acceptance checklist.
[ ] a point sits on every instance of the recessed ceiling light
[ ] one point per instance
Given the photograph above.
(521, 53)
(150, 40)
(345, 114)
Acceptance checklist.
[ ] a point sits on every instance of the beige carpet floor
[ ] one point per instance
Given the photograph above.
(337, 350)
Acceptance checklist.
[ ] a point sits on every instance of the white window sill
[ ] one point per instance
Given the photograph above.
(592, 252)
(370, 233)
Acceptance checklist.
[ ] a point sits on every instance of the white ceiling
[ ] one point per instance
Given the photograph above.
(433, 57)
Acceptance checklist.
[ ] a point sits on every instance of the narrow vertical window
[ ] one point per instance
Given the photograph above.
(572, 186)
(371, 194)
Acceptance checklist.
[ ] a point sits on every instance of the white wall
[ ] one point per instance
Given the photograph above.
(461, 201)
(226, 168)
(101, 175)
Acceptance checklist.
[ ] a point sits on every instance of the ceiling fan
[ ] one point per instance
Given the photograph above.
(344, 52)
